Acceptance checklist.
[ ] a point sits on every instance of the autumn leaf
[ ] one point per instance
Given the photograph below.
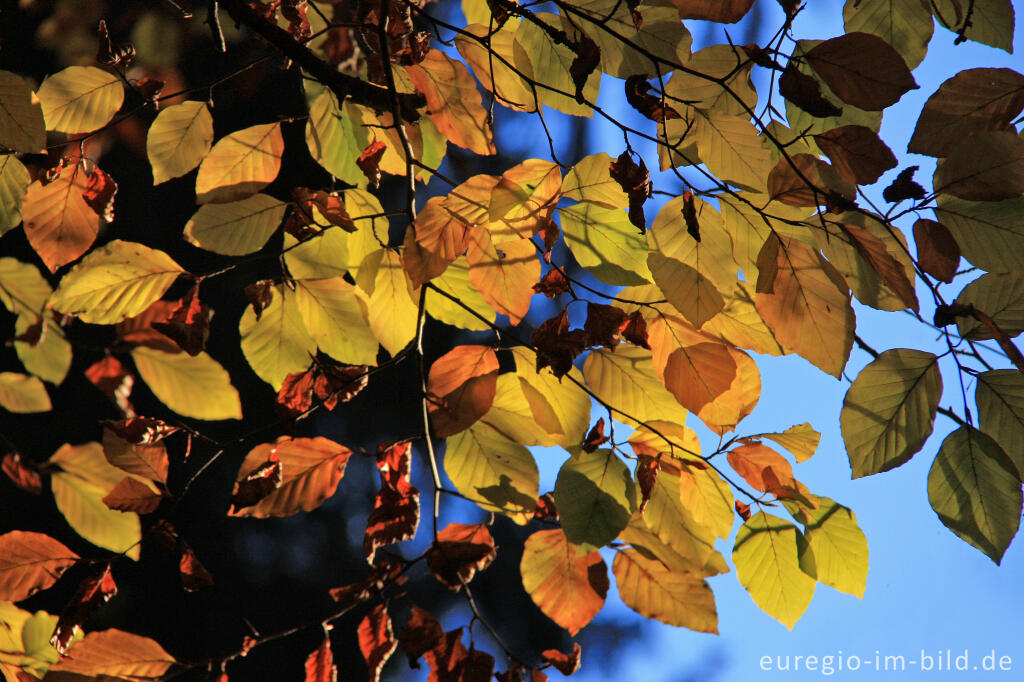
(420, 634)
(862, 69)
(396, 508)
(557, 347)
(938, 253)
(459, 552)
(22, 474)
(376, 640)
(453, 103)
(91, 593)
(30, 562)
(569, 589)
(567, 664)
(461, 388)
(320, 663)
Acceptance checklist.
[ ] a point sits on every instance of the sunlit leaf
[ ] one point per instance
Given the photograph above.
(905, 24)
(179, 138)
(335, 315)
(539, 58)
(30, 562)
(595, 496)
(455, 281)
(569, 588)
(22, 393)
(729, 145)
(335, 137)
(392, 310)
(14, 180)
(196, 387)
(240, 164)
(453, 102)
(495, 72)
(605, 243)
(802, 440)
(461, 387)
(50, 358)
(998, 295)
(590, 181)
(80, 99)
(276, 344)
(839, 546)
(503, 273)
(990, 22)
(21, 115)
(1000, 399)
(116, 654)
(649, 588)
(236, 228)
(627, 380)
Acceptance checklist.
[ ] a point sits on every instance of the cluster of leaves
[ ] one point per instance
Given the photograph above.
(763, 250)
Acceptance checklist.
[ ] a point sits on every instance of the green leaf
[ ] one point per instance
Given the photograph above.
(990, 234)
(975, 489)
(990, 21)
(626, 379)
(605, 243)
(114, 282)
(277, 344)
(50, 358)
(839, 546)
(495, 472)
(335, 314)
(21, 116)
(1001, 297)
(455, 281)
(22, 287)
(889, 410)
(729, 146)
(725, 63)
(14, 181)
(768, 564)
(23, 394)
(195, 387)
(236, 228)
(1000, 398)
(80, 99)
(987, 166)
(82, 479)
(240, 164)
(905, 24)
(178, 140)
(595, 496)
(652, 590)
(333, 140)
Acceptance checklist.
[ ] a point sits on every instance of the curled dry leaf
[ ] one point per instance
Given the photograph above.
(369, 162)
(938, 253)
(421, 633)
(188, 324)
(386, 570)
(194, 575)
(556, 346)
(635, 180)
(138, 330)
(604, 324)
(260, 294)
(552, 284)
(595, 438)
(320, 663)
(110, 376)
(566, 664)
(588, 56)
(376, 640)
(646, 476)
(92, 592)
(396, 508)
(743, 510)
(459, 552)
(22, 473)
(904, 187)
(546, 510)
(638, 96)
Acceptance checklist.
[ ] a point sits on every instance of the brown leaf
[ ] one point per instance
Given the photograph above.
(127, 447)
(635, 330)
(566, 664)
(131, 496)
(30, 562)
(647, 104)
(556, 345)
(59, 223)
(788, 182)
(386, 570)
(376, 640)
(22, 473)
(260, 294)
(188, 323)
(450, 661)
(552, 284)
(588, 56)
(369, 161)
(295, 12)
(986, 166)
(690, 216)
(336, 384)
(420, 634)
(862, 69)
(99, 194)
(722, 11)
(904, 187)
(396, 508)
(938, 254)
(635, 181)
(92, 592)
(550, 231)
(320, 663)
(805, 92)
(604, 324)
(743, 510)
(329, 207)
(972, 101)
(459, 552)
(546, 510)
(595, 438)
(257, 484)
(646, 476)
(110, 376)
(889, 270)
(111, 53)
(194, 575)
(296, 394)
(857, 153)
(768, 265)
(461, 388)
(139, 330)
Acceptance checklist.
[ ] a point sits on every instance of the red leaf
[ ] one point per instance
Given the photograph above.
(261, 482)
(566, 664)
(369, 161)
(938, 254)
(635, 181)
(139, 330)
(386, 569)
(603, 325)
(340, 384)
(194, 575)
(376, 640)
(459, 552)
(546, 510)
(588, 56)
(141, 430)
(189, 323)
(296, 394)
(743, 510)
(635, 330)
(421, 634)
(596, 437)
(131, 496)
(552, 284)
(396, 509)
(24, 475)
(109, 376)
(450, 661)
(556, 345)
(320, 664)
(646, 476)
(99, 194)
(805, 92)
(92, 592)
(260, 294)
(647, 104)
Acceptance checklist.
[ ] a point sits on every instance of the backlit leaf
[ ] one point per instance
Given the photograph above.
(22, 393)
(319, 664)
(276, 344)
(50, 358)
(989, 233)
(862, 69)
(802, 440)
(376, 640)
(453, 102)
(857, 153)
(998, 295)
(116, 654)
(116, 281)
(626, 48)
(595, 496)
(455, 281)
(30, 562)
(461, 549)
(240, 164)
(335, 314)
(905, 24)
(727, 11)
(523, 200)
(392, 308)
(1000, 399)
(560, 405)
(730, 147)
(711, 256)
(889, 410)
(461, 387)
(80, 99)
(692, 294)
(605, 243)
(767, 557)
(179, 138)
(503, 273)
(196, 387)
(335, 137)
(569, 589)
(938, 254)
(649, 588)
(132, 496)
(683, 543)
(627, 380)
(839, 546)
(14, 180)
(236, 228)
(21, 115)
(987, 166)
(590, 181)
(495, 73)
(990, 21)
(547, 63)
(975, 489)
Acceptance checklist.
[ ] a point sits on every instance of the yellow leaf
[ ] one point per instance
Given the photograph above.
(240, 164)
(493, 68)
(83, 479)
(335, 313)
(14, 181)
(335, 137)
(653, 591)
(809, 310)
(495, 472)
(455, 281)
(236, 228)
(673, 524)
(504, 274)
(50, 358)
(441, 232)
(802, 440)
(59, 224)
(708, 499)
(22, 288)
(547, 64)
(750, 219)
(725, 62)
(392, 310)
(689, 291)
(30, 562)
(311, 469)
(628, 50)
(589, 180)
(605, 243)
(453, 102)
(21, 116)
(523, 200)
(711, 256)
(322, 256)
(626, 379)
(277, 344)
(559, 405)
(658, 437)
(569, 589)
(730, 147)
(116, 654)
(741, 325)
(471, 200)
(114, 282)
(23, 394)
(195, 387)
(839, 546)
(512, 416)
(80, 99)
(179, 138)
(767, 555)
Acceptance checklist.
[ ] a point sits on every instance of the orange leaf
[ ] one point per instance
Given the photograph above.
(116, 654)
(396, 509)
(131, 496)
(139, 330)
(30, 562)
(188, 324)
(23, 475)
(453, 102)
(110, 376)
(128, 447)
(194, 575)
(376, 640)
(320, 664)
(459, 552)
(569, 589)
(461, 388)
(503, 274)
(566, 664)
(450, 661)
(421, 634)
(751, 461)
